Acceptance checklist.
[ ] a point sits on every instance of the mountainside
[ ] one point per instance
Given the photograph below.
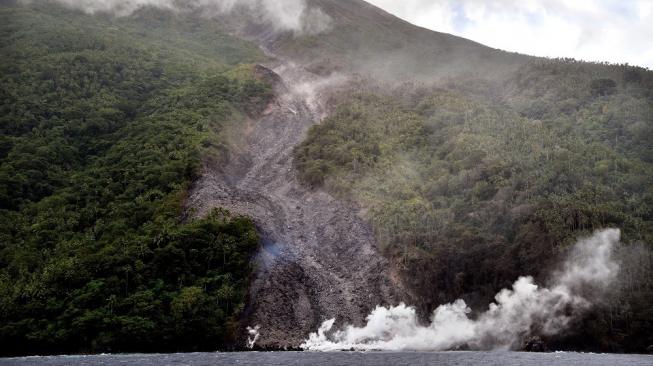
(169, 178)
(465, 194)
(103, 128)
(484, 176)
(362, 38)
(318, 258)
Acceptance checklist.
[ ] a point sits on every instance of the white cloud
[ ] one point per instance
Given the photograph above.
(592, 30)
(285, 15)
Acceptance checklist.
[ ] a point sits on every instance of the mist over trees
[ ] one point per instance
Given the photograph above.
(485, 167)
(467, 188)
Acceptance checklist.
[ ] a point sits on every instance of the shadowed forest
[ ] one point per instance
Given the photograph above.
(104, 125)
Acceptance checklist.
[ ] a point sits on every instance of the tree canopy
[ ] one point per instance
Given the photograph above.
(104, 123)
(469, 186)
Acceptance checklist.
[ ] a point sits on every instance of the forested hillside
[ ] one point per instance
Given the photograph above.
(470, 185)
(465, 166)
(104, 122)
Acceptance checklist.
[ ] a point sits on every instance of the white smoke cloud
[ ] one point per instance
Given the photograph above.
(284, 15)
(523, 310)
(117, 7)
(252, 336)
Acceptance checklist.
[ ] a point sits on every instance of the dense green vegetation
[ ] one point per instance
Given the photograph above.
(468, 188)
(103, 124)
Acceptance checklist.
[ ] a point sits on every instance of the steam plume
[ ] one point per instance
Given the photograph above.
(524, 310)
(283, 15)
(252, 336)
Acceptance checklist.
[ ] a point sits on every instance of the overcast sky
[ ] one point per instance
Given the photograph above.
(594, 30)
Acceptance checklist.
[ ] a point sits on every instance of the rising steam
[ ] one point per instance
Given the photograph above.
(283, 15)
(524, 310)
(252, 336)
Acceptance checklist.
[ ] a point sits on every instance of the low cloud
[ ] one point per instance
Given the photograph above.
(285, 15)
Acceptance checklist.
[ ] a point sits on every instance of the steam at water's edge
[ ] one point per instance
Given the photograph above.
(524, 310)
(252, 337)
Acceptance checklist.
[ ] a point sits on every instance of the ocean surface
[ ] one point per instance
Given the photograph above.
(341, 358)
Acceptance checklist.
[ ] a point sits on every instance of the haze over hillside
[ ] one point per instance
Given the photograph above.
(201, 175)
(371, 41)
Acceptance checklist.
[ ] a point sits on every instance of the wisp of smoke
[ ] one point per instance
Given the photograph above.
(312, 91)
(252, 336)
(523, 310)
(283, 15)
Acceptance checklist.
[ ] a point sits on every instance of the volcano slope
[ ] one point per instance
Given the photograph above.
(319, 259)
(484, 170)
(472, 176)
(489, 166)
